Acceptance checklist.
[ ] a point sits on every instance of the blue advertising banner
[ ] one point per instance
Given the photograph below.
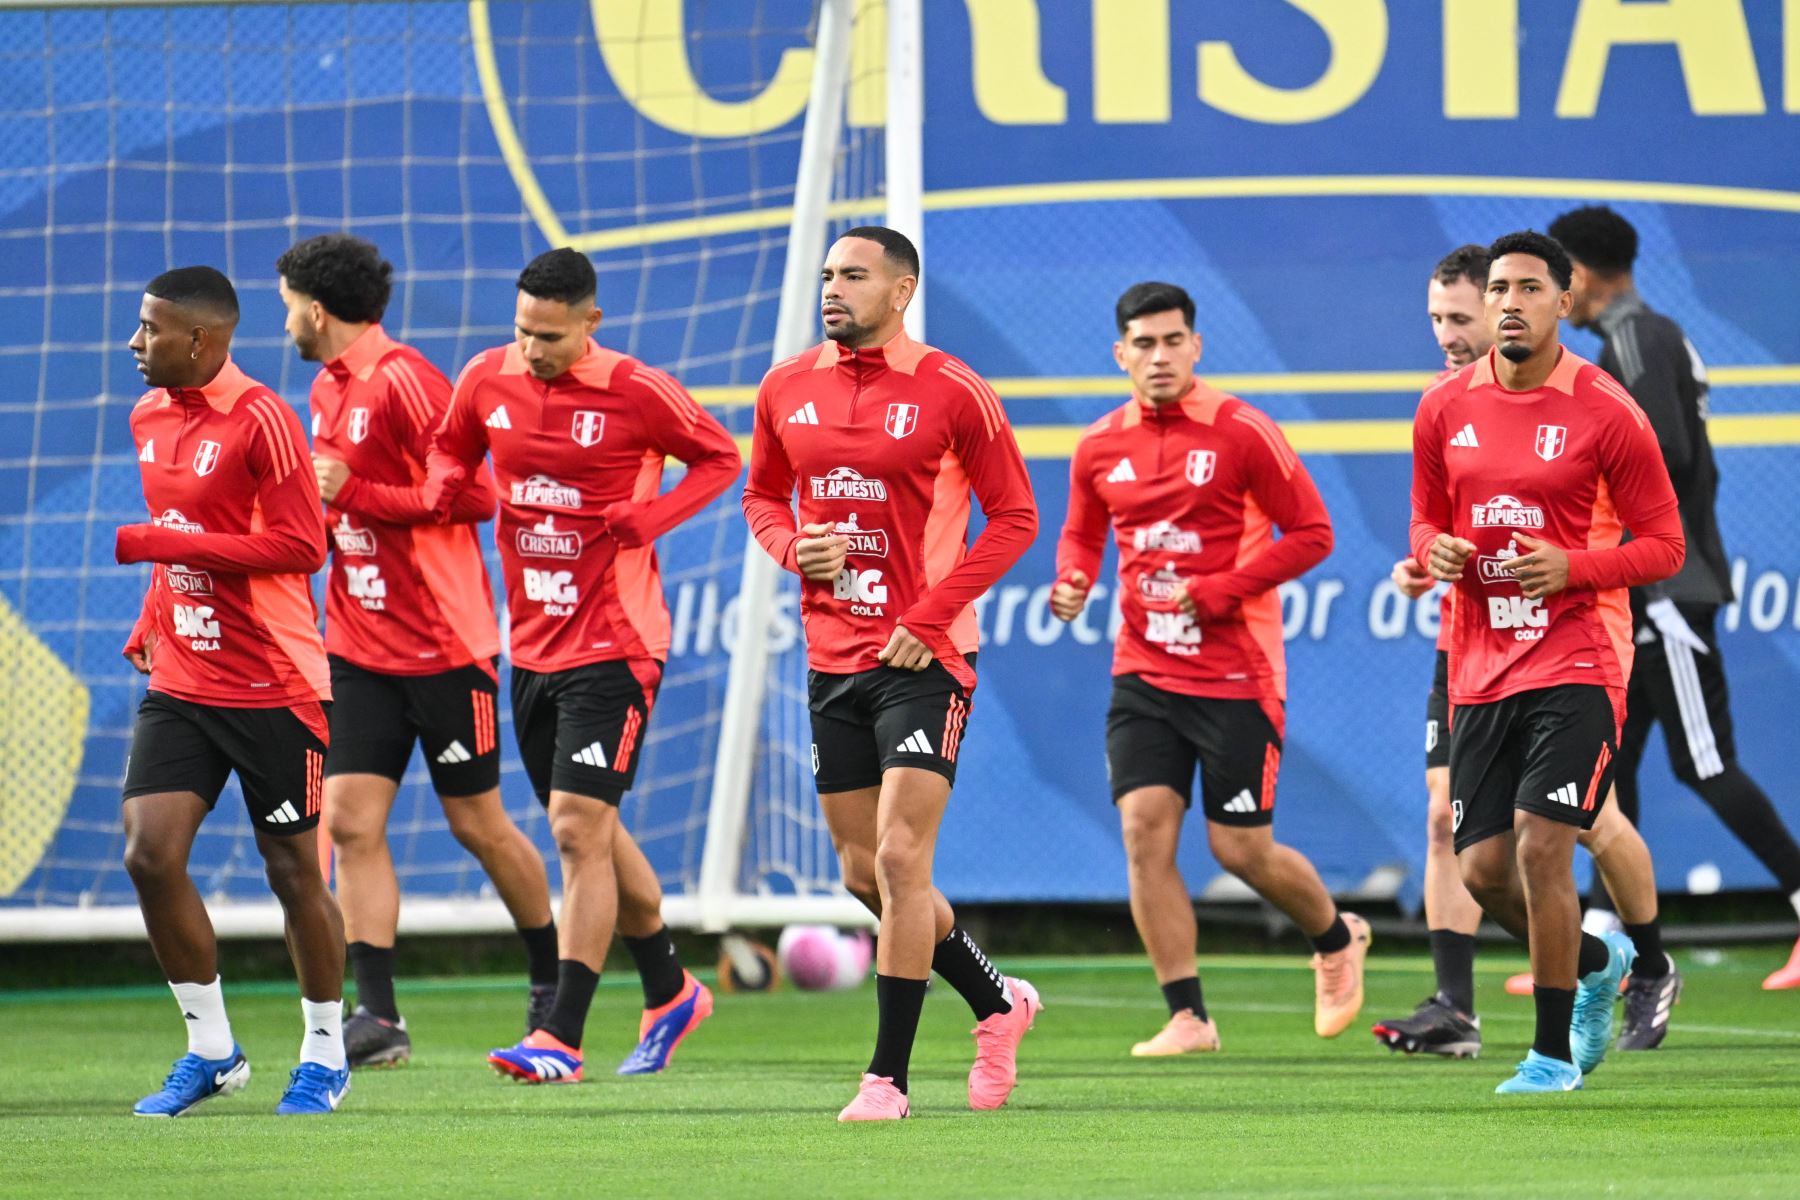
(1298, 165)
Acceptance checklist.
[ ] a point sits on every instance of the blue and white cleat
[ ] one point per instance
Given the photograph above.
(540, 1058)
(663, 1027)
(1591, 1030)
(194, 1080)
(313, 1088)
(1540, 1074)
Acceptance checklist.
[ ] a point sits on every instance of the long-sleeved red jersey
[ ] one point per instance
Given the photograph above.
(885, 445)
(1572, 463)
(1193, 490)
(236, 531)
(578, 462)
(406, 596)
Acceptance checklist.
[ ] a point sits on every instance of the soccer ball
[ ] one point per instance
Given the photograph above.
(820, 958)
(746, 965)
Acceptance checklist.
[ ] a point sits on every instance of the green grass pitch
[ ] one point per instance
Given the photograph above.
(748, 1107)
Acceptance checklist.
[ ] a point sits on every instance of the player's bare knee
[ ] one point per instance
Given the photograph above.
(1150, 839)
(351, 831)
(857, 864)
(902, 865)
(475, 828)
(292, 876)
(1485, 878)
(149, 862)
(1241, 852)
(580, 831)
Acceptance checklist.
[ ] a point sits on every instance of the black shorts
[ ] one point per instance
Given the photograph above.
(1156, 738)
(1437, 715)
(377, 717)
(582, 730)
(1550, 751)
(864, 723)
(278, 754)
(1685, 691)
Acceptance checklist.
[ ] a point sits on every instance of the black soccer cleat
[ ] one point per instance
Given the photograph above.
(538, 1005)
(1647, 1005)
(371, 1041)
(1436, 1027)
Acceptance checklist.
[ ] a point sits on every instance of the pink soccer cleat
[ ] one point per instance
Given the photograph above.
(876, 1100)
(1785, 977)
(997, 1040)
(1184, 1034)
(1338, 981)
(1521, 984)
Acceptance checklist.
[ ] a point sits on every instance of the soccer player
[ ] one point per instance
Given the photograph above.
(1679, 677)
(1445, 1022)
(885, 438)
(238, 680)
(1193, 482)
(409, 629)
(579, 435)
(1527, 464)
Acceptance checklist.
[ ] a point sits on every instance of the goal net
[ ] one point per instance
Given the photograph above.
(663, 139)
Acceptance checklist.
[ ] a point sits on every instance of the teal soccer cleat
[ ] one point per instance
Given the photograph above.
(1540, 1074)
(1591, 1030)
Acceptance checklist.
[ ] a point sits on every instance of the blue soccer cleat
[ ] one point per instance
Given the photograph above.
(194, 1080)
(663, 1027)
(1591, 1030)
(313, 1088)
(1540, 1074)
(540, 1058)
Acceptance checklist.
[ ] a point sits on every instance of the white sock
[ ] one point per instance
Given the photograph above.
(324, 1040)
(203, 1011)
(1795, 901)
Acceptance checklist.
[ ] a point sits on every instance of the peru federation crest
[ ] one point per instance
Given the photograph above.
(1550, 441)
(902, 419)
(1200, 466)
(206, 458)
(588, 427)
(359, 425)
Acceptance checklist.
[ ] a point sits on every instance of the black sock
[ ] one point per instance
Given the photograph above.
(1333, 939)
(964, 967)
(1594, 955)
(1555, 1009)
(1651, 962)
(540, 952)
(1453, 956)
(899, 1001)
(373, 967)
(575, 986)
(658, 967)
(1747, 812)
(1184, 993)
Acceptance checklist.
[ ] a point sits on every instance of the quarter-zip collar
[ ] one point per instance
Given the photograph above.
(221, 392)
(360, 357)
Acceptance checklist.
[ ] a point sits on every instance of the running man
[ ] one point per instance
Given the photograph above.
(579, 435)
(409, 627)
(1193, 483)
(1527, 465)
(885, 439)
(238, 681)
(1679, 677)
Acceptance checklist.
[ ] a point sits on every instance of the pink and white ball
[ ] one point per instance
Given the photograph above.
(822, 958)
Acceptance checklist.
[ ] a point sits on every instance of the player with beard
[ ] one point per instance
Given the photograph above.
(1527, 466)
(1445, 1022)
(238, 681)
(579, 435)
(409, 627)
(886, 439)
(1679, 676)
(1193, 483)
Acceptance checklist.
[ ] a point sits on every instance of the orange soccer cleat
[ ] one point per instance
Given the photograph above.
(1184, 1034)
(1338, 981)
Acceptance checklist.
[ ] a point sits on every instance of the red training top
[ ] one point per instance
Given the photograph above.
(578, 460)
(885, 445)
(235, 532)
(405, 596)
(1572, 463)
(1193, 490)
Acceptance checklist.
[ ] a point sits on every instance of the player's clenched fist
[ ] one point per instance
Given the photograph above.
(1542, 572)
(1069, 596)
(331, 475)
(1410, 578)
(820, 552)
(1448, 554)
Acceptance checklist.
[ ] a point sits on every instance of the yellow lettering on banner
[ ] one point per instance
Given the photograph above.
(1790, 55)
(644, 47)
(1010, 86)
(1357, 31)
(1710, 36)
(1481, 59)
(868, 65)
(1131, 61)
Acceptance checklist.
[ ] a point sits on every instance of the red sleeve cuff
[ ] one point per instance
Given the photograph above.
(128, 544)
